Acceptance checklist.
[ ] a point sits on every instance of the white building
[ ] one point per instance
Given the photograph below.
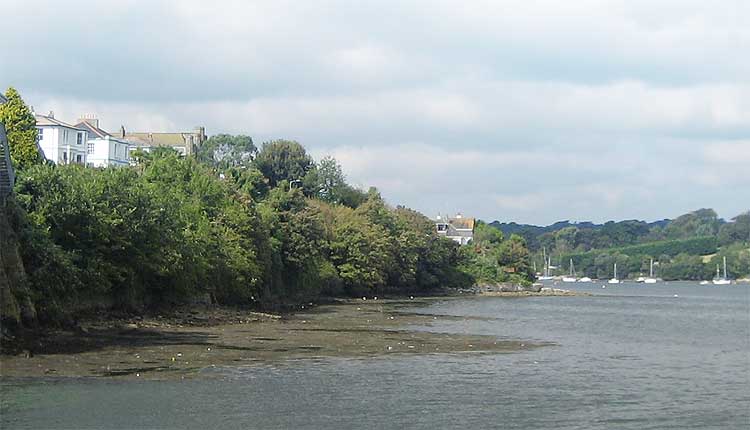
(103, 149)
(458, 228)
(61, 143)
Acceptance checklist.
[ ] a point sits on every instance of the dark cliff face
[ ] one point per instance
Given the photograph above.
(16, 308)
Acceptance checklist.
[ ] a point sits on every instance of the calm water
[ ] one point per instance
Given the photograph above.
(637, 358)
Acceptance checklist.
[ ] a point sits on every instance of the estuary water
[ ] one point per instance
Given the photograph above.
(664, 356)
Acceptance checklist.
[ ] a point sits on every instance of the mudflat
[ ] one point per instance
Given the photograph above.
(167, 347)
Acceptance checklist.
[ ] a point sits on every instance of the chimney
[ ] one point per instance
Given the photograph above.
(90, 118)
(51, 114)
(201, 133)
(122, 132)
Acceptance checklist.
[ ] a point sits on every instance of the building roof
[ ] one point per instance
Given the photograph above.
(93, 130)
(462, 223)
(157, 139)
(51, 121)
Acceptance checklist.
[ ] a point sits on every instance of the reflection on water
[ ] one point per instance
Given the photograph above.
(635, 358)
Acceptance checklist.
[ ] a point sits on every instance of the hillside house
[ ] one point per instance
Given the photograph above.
(184, 142)
(60, 142)
(458, 228)
(102, 148)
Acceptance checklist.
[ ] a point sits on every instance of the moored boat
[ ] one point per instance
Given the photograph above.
(723, 280)
(572, 275)
(614, 279)
(650, 279)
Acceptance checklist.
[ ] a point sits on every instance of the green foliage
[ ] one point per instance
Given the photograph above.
(703, 222)
(172, 230)
(224, 151)
(168, 234)
(20, 127)
(327, 182)
(737, 231)
(684, 266)
(595, 248)
(633, 260)
(738, 260)
(283, 160)
(490, 258)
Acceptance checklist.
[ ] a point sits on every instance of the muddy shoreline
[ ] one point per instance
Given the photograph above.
(183, 343)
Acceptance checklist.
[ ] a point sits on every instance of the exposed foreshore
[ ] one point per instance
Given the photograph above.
(183, 343)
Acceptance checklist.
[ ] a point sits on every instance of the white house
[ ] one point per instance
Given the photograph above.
(103, 149)
(60, 142)
(458, 228)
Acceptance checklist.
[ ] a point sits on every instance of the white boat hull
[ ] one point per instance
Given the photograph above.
(613, 281)
(649, 281)
(721, 282)
(569, 279)
(585, 279)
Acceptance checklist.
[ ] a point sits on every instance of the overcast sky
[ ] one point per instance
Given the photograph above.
(528, 111)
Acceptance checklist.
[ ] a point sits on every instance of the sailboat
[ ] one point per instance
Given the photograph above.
(547, 263)
(614, 280)
(572, 276)
(724, 280)
(650, 279)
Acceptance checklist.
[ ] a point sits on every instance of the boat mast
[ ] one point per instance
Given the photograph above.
(615, 271)
(725, 267)
(571, 268)
(651, 270)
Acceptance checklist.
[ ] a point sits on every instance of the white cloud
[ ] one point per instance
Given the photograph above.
(606, 108)
(731, 153)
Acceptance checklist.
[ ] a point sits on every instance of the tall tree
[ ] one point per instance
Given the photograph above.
(283, 160)
(226, 150)
(20, 127)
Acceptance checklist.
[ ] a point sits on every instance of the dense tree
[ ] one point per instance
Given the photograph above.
(283, 160)
(736, 231)
(491, 258)
(224, 151)
(20, 127)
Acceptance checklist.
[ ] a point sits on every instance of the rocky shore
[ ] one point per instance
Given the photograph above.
(515, 290)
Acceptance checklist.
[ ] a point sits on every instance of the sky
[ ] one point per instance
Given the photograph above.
(526, 111)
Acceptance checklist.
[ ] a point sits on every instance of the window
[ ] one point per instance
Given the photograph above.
(65, 157)
(40, 133)
(79, 138)
(90, 148)
(79, 159)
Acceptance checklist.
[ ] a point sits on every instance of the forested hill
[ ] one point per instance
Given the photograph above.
(687, 247)
(566, 236)
(531, 232)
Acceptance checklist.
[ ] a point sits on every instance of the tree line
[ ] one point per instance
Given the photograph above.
(234, 225)
(687, 247)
